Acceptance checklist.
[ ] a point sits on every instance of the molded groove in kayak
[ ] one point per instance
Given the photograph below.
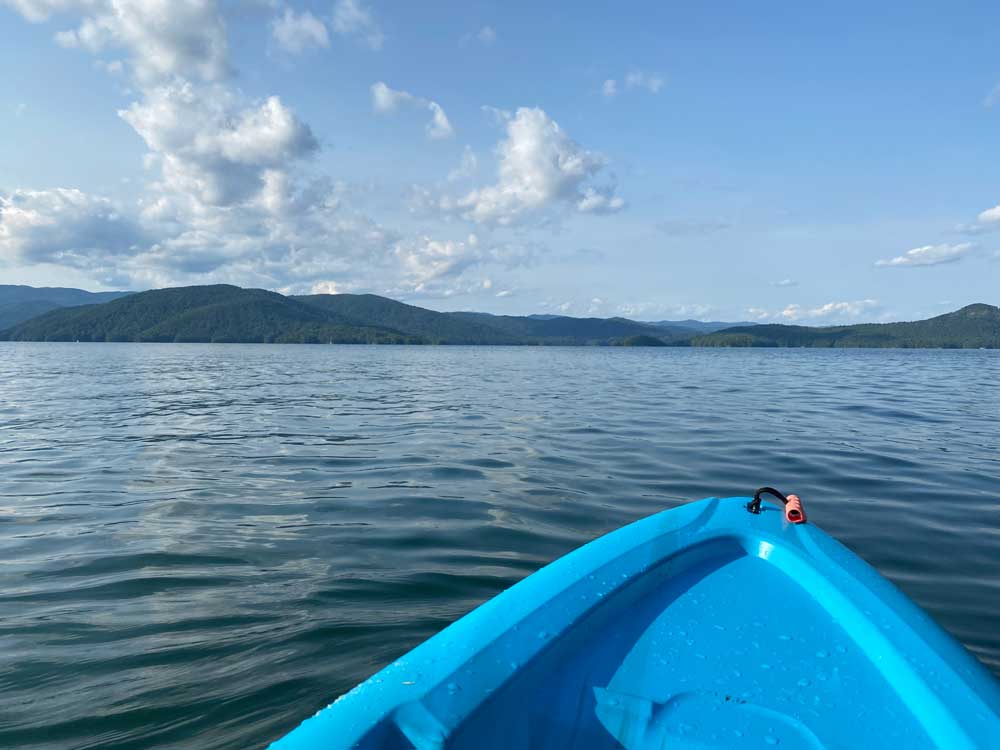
(704, 627)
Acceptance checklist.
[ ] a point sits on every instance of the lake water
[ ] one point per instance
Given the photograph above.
(202, 545)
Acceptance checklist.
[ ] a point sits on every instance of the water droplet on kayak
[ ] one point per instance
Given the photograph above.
(699, 656)
(720, 627)
(785, 637)
(682, 633)
(453, 688)
(804, 682)
(737, 673)
(612, 701)
(765, 666)
(822, 654)
(771, 740)
(543, 634)
(841, 650)
(514, 665)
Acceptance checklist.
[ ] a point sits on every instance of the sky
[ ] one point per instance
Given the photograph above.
(810, 163)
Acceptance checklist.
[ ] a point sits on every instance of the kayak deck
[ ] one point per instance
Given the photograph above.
(701, 627)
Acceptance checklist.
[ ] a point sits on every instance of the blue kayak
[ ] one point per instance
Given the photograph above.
(705, 627)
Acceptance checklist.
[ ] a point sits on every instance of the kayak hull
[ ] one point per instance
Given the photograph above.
(700, 627)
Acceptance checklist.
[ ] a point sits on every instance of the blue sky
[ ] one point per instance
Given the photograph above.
(773, 161)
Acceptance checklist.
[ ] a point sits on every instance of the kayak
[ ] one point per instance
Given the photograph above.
(720, 624)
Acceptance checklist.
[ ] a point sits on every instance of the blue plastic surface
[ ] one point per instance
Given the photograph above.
(703, 627)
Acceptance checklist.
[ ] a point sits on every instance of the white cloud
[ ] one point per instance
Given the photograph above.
(386, 100)
(213, 145)
(20, 109)
(63, 226)
(990, 215)
(467, 167)
(163, 37)
(228, 198)
(352, 18)
(298, 32)
(928, 255)
(785, 283)
(830, 312)
(637, 79)
(539, 165)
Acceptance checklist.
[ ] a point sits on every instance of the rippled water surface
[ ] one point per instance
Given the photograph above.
(202, 545)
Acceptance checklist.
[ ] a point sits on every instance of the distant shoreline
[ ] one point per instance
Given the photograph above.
(220, 314)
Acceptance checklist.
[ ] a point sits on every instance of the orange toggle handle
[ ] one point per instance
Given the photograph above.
(793, 510)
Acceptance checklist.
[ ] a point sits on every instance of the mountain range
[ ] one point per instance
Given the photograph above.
(223, 314)
(19, 303)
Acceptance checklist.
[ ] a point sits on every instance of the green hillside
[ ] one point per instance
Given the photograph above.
(218, 313)
(19, 303)
(562, 329)
(433, 327)
(972, 327)
(223, 313)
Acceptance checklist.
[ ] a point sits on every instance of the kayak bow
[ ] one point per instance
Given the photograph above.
(708, 626)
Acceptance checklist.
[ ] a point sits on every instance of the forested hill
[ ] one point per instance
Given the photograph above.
(223, 313)
(19, 303)
(972, 327)
(218, 313)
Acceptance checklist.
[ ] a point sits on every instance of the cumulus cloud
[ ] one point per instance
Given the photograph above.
(352, 18)
(928, 255)
(162, 37)
(610, 88)
(212, 145)
(539, 165)
(64, 226)
(229, 198)
(386, 100)
(827, 313)
(297, 32)
(990, 216)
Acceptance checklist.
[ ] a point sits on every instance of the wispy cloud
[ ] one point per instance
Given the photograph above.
(352, 18)
(297, 32)
(386, 100)
(830, 312)
(486, 36)
(785, 283)
(634, 79)
(928, 255)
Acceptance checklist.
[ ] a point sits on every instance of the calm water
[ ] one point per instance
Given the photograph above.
(202, 545)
